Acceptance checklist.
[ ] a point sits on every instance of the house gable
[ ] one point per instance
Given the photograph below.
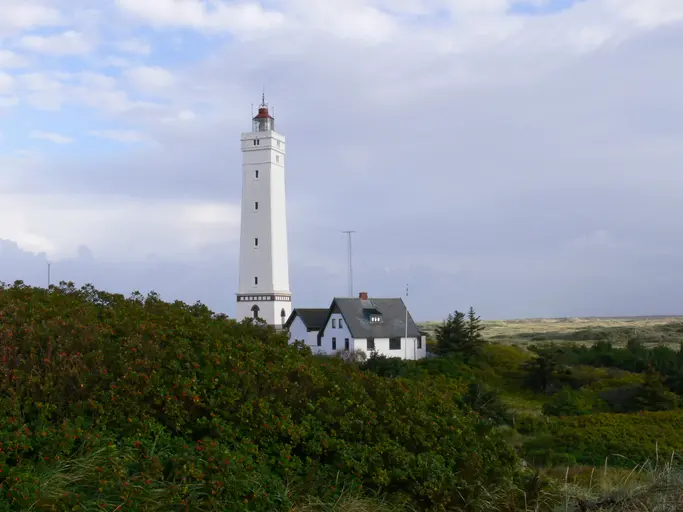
(312, 318)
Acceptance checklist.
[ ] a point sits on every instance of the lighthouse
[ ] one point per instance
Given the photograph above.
(264, 264)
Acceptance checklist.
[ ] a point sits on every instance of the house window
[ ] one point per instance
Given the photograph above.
(340, 323)
(371, 343)
(347, 346)
(256, 174)
(334, 343)
(334, 324)
(394, 343)
(256, 281)
(255, 242)
(255, 205)
(320, 341)
(419, 343)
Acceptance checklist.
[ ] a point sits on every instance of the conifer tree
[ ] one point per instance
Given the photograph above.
(474, 327)
(460, 335)
(452, 334)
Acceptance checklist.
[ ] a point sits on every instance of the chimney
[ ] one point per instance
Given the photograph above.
(363, 295)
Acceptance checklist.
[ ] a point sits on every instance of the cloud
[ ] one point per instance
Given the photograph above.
(52, 137)
(53, 90)
(525, 165)
(134, 46)
(8, 101)
(240, 17)
(20, 15)
(119, 135)
(150, 78)
(6, 82)
(178, 229)
(9, 60)
(66, 43)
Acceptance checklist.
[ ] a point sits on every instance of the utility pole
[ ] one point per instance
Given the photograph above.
(350, 269)
(405, 350)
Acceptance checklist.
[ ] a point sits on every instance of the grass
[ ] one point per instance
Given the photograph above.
(656, 486)
(351, 502)
(661, 330)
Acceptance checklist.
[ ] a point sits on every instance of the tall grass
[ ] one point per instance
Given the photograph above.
(654, 486)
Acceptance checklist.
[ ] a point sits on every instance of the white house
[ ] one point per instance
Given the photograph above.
(370, 325)
(304, 325)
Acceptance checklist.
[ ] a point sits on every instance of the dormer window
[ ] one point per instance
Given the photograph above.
(374, 318)
(334, 323)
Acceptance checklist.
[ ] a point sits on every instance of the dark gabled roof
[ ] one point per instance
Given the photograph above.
(313, 318)
(393, 311)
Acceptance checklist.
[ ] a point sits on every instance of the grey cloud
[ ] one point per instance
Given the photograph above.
(476, 188)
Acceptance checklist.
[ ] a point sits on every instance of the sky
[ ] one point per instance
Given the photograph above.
(520, 157)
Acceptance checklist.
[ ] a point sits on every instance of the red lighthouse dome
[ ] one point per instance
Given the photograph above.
(263, 121)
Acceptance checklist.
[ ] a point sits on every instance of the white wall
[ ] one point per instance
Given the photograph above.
(408, 350)
(269, 261)
(299, 332)
(340, 333)
(269, 310)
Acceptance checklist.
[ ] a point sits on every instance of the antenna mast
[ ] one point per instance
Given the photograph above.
(348, 233)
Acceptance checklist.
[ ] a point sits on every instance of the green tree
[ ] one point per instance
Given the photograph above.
(460, 335)
(451, 336)
(568, 402)
(653, 394)
(486, 402)
(475, 338)
(541, 373)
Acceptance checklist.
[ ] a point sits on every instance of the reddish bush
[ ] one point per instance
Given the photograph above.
(173, 404)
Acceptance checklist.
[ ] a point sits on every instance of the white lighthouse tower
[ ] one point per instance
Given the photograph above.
(264, 264)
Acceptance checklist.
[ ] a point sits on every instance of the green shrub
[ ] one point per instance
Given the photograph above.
(527, 424)
(568, 402)
(627, 439)
(178, 407)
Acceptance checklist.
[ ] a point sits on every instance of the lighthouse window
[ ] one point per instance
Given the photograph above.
(256, 174)
(255, 281)
(255, 242)
(255, 205)
(277, 158)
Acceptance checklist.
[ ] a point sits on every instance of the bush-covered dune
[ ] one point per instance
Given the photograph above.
(135, 403)
(626, 439)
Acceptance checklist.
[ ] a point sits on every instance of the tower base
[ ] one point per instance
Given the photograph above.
(274, 308)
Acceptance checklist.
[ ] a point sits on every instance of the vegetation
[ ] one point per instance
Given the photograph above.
(460, 335)
(114, 403)
(134, 403)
